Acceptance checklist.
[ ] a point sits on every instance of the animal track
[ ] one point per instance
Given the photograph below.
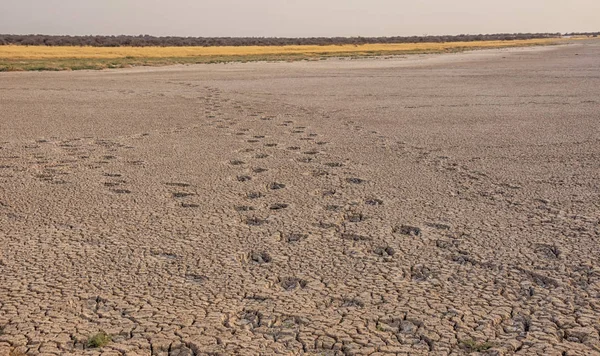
(384, 251)
(254, 195)
(278, 206)
(354, 237)
(355, 180)
(295, 237)
(260, 257)
(292, 283)
(355, 217)
(180, 185)
(374, 202)
(254, 221)
(182, 194)
(276, 186)
(196, 278)
(407, 230)
(189, 205)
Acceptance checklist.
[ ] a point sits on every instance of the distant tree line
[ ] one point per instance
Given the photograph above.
(588, 34)
(146, 40)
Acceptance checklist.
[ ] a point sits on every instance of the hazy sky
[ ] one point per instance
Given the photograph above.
(294, 18)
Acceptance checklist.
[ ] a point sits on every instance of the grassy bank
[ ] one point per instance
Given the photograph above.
(28, 58)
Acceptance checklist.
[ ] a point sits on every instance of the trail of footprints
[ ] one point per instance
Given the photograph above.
(262, 200)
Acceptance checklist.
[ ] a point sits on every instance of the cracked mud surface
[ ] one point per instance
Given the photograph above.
(444, 204)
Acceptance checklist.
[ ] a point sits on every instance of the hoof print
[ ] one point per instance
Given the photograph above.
(355, 237)
(407, 230)
(384, 251)
(295, 237)
(196, 278)
(278, 206)
(355, 180)
(292, 283)
(374, 202)
(276, 186)
(254, 195)
(182, 194)
(253, 221)
(186, 205)
(260, 257)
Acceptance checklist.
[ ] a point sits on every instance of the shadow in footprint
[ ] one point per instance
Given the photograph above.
(276, 186)
(182, 194)
(355, 180)
(278, 206)
(254, 221)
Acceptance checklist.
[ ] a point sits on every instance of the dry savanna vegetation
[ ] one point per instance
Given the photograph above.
(20, 58)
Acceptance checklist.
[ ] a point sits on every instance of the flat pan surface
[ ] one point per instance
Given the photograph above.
(429, 204)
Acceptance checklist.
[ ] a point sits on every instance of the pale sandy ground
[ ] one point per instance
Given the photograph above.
(426, 205)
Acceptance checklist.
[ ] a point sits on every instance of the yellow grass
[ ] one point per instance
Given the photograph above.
(42, 52)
